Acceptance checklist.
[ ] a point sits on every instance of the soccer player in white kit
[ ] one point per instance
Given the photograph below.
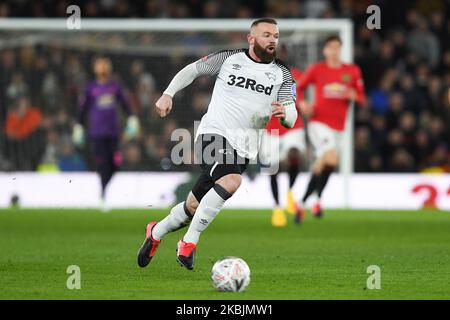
(251, 85)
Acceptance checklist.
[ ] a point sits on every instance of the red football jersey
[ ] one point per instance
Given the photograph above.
(274, 123)
(331, 91)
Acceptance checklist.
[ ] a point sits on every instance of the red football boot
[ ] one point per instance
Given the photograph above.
(317, 210)
(299, 213)
(186, 254)
(148, 248)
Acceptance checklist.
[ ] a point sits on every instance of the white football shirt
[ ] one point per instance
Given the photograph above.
(240, 105)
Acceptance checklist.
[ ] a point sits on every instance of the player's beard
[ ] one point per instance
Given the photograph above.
(263, 53)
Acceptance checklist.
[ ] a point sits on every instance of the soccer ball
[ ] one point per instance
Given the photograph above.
(230, 274)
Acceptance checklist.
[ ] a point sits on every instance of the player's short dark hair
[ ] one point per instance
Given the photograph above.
(100, 57)
(261, 20)
(331, 38)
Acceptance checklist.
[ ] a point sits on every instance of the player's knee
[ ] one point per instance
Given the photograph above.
(318, 165)
(293, 157)
(331, 159)
(191, 203)
(230, 182)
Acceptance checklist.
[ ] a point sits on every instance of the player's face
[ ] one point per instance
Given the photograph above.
(102, 67)
(264, 39)
(332, 51)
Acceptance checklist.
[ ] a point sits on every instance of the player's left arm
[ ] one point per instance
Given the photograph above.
(284, 108)
(358, 95)
(132, 127)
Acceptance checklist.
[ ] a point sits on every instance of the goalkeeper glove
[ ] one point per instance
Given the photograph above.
(78, 135)
(132, 128)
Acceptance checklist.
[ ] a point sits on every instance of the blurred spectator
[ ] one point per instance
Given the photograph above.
(132, 158)
(375, 164)
(316, 8)
(379, 97)
(424, 43)
(393, 142)
(49, 161)
(211, 9)
(51, 91)
(22, 133)
(401, 161)
(144, 86)
(150, 151)
(23, 121)
(293, 9)
(16, 88)
(434, 94)
(395, 110)
(407, 124)
(422, 149)
(438, 27)
(363, 149)
(437, 129)
(4, 10)
(398, 40)
(243, 12)
(386, 57)
(379, 131)
(69, 160)
(8, 67)
(414, 99)
(439, 160)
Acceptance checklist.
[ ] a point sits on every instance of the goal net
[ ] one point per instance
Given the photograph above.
(49, 64)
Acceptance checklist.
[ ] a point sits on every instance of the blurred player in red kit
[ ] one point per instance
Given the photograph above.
(285, 148)
(336, 85)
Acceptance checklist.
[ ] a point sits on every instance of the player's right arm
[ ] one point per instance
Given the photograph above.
(78, 131)
(208, 65)
(305, 80)
(181, 80)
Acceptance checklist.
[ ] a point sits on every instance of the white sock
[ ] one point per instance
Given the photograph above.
(176, 219)
(207, 210)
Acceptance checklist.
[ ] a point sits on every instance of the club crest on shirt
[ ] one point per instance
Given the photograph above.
(335, 90)
(294, 90)
(271, 76)
(345, 77)
(105, 100)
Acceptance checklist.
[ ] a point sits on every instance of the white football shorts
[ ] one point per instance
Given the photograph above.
(323, 138)
(275, 148)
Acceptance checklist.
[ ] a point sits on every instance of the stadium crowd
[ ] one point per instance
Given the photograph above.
(405, 64)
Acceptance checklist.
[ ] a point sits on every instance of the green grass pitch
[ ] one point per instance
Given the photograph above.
(320, 259)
